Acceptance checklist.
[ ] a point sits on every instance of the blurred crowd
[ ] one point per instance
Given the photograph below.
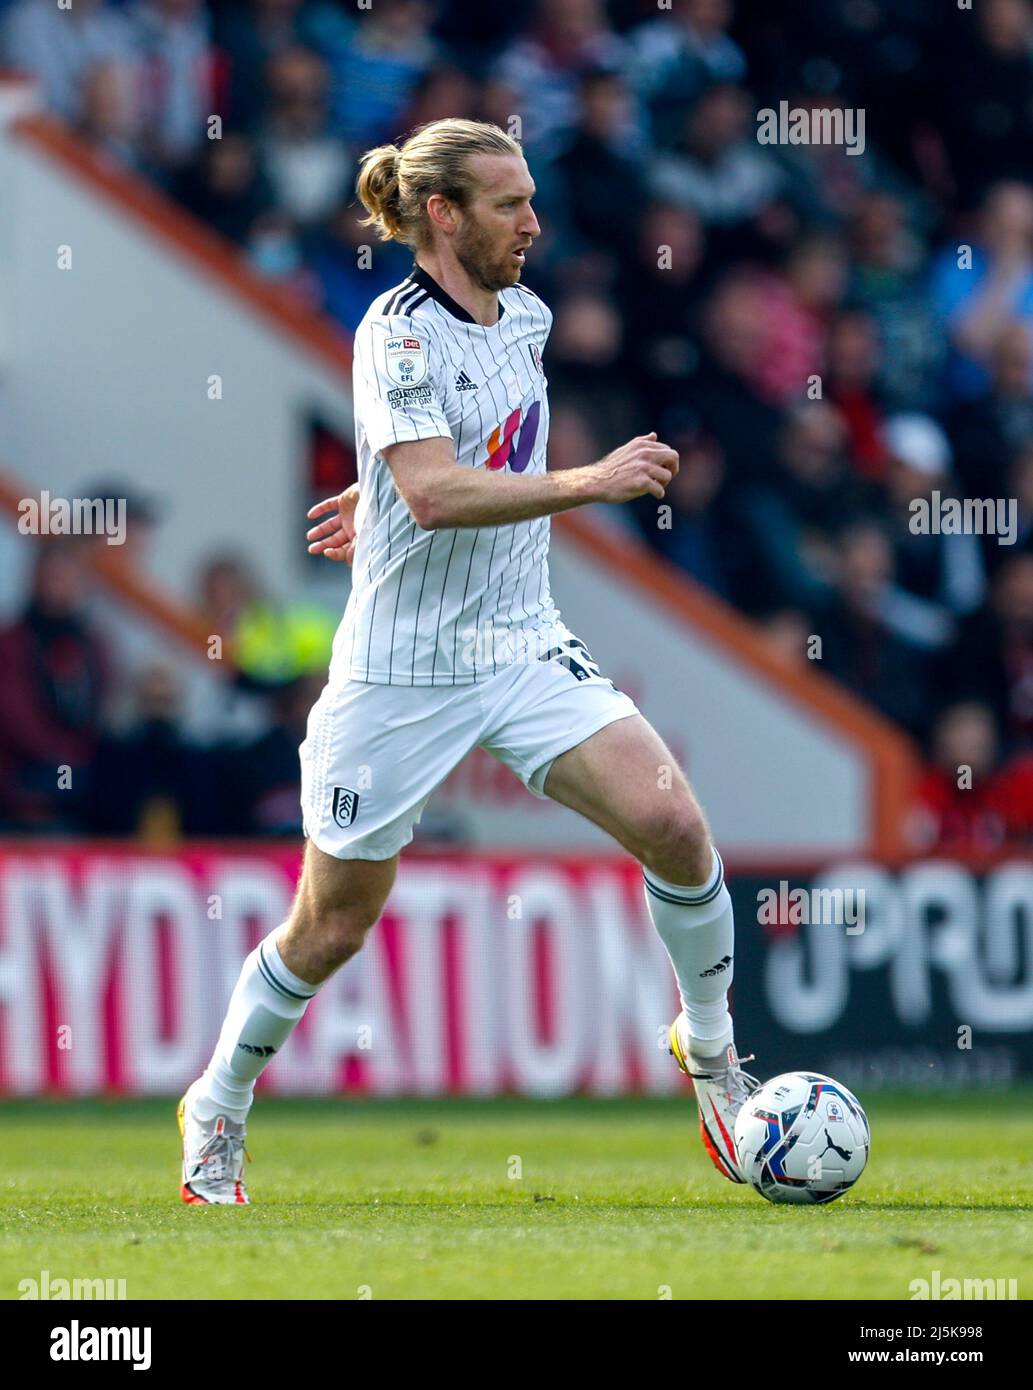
(91, 744)
(825, 336)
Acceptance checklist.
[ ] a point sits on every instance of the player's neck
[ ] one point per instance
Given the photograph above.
(482, 305)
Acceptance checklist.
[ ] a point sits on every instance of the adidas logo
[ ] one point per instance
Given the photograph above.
(259, 1050)
(722, 964)
(463, 383)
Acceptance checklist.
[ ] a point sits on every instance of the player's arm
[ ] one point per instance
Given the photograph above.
(441, 495)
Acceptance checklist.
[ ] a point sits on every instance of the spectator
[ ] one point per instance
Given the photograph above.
(885, 281)
(274, 248)
(585, 365)
(978, 290)
(661, 296)
(60, 46)
(792, 516)
(723, 388)
(441, 92)
(688, 528)
(940, 577)
(107, 123)
(851, 384)
(989, 427)
(679, 54)
(544, 68)
(378, 73)
(984, 125)
(796, 308)
(348, 279)
(150, 780)
(1019, 487)
(993, 659)
(309, 169)
(55, 676)
(966, 801)
(716, 168)
(271, 644)
(226, 187)
(262, 779)
(859, 647)
(603, 186)
(251, 33)
(179, 78)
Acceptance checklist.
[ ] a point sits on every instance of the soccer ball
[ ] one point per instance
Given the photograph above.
(802, 1137)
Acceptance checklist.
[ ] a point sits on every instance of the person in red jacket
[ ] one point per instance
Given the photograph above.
(968, 799)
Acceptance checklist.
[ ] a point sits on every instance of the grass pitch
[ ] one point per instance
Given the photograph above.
(508, 1199)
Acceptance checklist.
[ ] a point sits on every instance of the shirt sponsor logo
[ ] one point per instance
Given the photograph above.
(406, 361)
(513, 441)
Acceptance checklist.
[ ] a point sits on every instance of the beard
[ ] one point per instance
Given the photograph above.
(479, 255)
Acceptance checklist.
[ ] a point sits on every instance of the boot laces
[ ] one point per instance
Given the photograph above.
(735, 1083)
(220, 1154)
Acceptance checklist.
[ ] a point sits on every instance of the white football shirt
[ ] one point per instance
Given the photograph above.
(446, 607)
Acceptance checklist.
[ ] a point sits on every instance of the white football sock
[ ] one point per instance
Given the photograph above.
(265, 1005)
(695, 924)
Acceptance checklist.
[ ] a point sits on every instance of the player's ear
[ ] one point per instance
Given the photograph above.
(441, 213)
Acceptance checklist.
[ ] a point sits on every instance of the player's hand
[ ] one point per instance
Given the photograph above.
(642, 465)
(335, 537)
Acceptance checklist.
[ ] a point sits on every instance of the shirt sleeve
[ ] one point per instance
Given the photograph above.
(397, 385)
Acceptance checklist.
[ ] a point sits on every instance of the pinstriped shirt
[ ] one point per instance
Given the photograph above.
(446, 607)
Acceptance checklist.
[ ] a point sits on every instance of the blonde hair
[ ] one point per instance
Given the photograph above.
(395, 181)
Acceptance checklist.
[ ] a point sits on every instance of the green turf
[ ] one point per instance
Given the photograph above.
(615, 1199)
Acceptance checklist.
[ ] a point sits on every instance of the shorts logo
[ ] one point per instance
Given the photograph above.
(409, 395)
(575, 656)
(346, 804)
(406, 361)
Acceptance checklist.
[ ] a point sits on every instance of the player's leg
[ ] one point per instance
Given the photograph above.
(626, 780)
(569, 734)
(370, 762)
(337, 902)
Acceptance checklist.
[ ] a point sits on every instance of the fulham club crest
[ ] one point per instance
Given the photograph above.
(346, 803)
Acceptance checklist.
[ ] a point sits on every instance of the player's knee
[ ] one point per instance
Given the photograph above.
(342, 935)
(677, 845)
(334, 930)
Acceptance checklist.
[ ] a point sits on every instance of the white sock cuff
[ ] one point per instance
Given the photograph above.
(690, 895)
(276, 975)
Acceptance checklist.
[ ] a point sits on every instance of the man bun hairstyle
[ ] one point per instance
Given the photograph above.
(395, 181)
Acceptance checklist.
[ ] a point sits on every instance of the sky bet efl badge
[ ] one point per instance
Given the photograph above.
(406, 361)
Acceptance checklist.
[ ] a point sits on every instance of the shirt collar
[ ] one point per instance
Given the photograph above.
(427, 282)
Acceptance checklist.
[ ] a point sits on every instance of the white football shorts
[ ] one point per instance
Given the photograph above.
(374, 754)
